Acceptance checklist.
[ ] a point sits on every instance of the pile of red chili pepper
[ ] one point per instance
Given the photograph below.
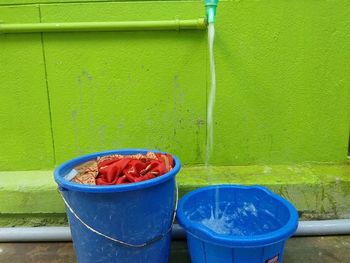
(123, 169)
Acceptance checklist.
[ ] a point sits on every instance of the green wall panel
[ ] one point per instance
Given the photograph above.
(283, 78)
(127, 89)
(282, 83)
(25, 141)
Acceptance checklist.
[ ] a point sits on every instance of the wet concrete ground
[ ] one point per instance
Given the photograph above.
(332, 249)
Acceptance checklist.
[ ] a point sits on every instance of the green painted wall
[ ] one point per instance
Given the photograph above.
(25, 131)
(143, 89)
(283, 98)
(282, 83)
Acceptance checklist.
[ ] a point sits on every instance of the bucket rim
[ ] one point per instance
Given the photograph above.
(67, 166)
(205, 234)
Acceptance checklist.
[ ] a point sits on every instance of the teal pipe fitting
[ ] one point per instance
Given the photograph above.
(210, 6)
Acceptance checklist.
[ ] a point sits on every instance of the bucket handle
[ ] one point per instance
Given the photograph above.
(149, 242)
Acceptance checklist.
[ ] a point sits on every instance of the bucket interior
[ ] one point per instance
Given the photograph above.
(65, 168)
(236, 211)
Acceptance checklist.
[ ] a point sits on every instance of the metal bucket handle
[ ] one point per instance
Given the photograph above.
(149, 242)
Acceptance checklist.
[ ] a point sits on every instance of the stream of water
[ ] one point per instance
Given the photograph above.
(211, 98)
(228, 218)
(210, 111)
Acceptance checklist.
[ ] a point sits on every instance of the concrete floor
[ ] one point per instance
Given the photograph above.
(332, 249)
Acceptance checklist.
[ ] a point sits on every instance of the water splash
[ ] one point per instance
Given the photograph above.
(211, 99)
(228, 218)
(220, 223)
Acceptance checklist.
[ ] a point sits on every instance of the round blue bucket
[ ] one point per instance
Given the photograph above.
(119, 223)
(240, 224)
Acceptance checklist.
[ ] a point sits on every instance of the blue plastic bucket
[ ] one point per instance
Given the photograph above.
(236, 224)
(119, 223)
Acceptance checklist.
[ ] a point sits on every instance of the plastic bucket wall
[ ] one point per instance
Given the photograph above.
(236, 224)
(133, 213)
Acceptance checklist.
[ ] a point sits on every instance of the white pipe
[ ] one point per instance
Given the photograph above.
(34, 234)
(40, 234)
(323, 227)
